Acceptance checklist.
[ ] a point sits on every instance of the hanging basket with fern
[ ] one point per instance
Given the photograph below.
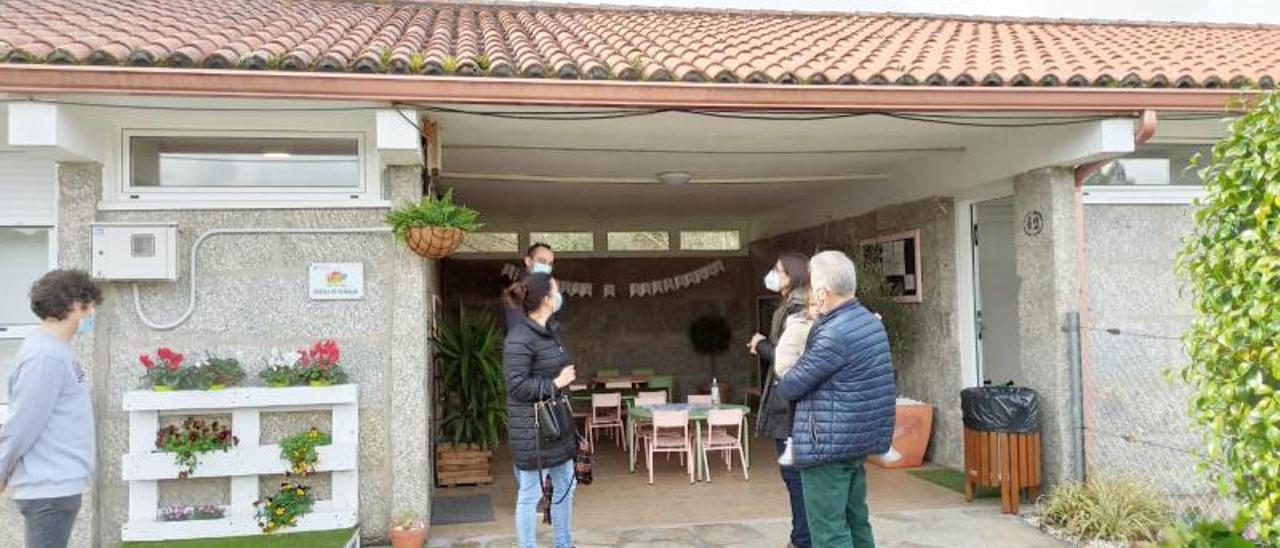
(433, 227)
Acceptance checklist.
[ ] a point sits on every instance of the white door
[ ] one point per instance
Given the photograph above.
(996, 286)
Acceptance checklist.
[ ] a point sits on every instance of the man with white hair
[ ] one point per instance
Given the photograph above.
(844, 388)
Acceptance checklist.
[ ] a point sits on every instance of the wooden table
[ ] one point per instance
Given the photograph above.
(697, 414)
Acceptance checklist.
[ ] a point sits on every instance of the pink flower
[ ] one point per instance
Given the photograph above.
(146, 362)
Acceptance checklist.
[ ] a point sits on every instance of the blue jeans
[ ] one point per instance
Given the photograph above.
(799, 521)
(529, 486)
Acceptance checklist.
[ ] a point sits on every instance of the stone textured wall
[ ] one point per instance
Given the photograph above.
(626, 333)
(1046, 265)
(930, 371)
(251, 296)
(1133, 287)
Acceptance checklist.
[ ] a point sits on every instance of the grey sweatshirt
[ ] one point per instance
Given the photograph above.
(47, 444)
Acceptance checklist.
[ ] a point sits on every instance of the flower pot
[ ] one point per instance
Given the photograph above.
(913, 424)
(408, 538)
(216, 386)
(433, 242)
(321, 384)
(278, 384)
(162, 388)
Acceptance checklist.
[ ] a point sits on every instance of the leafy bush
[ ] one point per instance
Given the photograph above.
(1233, 264)
(1205, 534)
(432, 211)
(1106, 510)
(471, 393)
(223, 371)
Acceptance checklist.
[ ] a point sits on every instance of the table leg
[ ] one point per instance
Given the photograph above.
(631, 432)
(746, 442)
(697, 457)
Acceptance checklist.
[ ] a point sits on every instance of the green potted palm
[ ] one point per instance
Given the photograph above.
(471, 396)
(434, 226)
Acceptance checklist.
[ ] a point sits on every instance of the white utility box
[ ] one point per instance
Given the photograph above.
(135, 251)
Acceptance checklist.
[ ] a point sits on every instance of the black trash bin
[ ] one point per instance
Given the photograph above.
(1002, 442)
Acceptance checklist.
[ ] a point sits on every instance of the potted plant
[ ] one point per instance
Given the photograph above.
(300, 450)
(194, 438)
(408, 532)
(285, 508)
(280, 371)
(319, 364)
(222, 372)
(711, 334)
(433, 227)
(164, 372)
(471, 396)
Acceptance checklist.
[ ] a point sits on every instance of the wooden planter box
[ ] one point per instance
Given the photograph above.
(463, 465)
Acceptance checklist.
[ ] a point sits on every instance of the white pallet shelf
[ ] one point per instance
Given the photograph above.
(143, 467)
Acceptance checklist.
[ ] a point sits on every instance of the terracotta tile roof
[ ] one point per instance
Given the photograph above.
(595, 42)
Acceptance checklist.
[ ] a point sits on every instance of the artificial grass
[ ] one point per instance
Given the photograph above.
(952, 479)
(314, 539)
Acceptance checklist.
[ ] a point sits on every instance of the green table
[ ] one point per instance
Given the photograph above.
(697, 414)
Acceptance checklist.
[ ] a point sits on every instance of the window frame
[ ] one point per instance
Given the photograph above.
(610, 249)
(121, 194)
(1148, 194)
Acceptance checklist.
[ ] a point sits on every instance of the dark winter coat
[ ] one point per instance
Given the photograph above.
(775, 412)
(844, 387)
(533, 356)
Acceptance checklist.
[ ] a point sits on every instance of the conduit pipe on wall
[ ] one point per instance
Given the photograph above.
(195, 249)
(1145, 128)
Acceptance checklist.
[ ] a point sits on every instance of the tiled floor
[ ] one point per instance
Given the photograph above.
(621, 509)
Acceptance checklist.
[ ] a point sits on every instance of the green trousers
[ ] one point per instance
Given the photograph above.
(835, 502)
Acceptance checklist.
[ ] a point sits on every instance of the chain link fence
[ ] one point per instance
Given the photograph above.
(1135, 418)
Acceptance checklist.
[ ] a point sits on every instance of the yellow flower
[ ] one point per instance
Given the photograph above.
(280, 511)
(314, 433)
(301, 493)
(294, 520)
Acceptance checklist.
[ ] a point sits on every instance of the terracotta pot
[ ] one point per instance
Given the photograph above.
(912, 427)
(408, 538)
(433, 242)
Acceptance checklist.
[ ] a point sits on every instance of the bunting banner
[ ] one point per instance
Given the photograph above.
(651, 288)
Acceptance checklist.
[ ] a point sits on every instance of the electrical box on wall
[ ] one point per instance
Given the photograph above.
(135, 251)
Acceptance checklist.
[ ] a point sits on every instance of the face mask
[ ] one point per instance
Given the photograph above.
(558, 303)
(541, 268)
(86, 325)
(772, 282)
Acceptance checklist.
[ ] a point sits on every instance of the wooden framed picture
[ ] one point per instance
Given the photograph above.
(898, 256)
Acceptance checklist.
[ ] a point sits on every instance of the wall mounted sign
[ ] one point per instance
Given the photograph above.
(899, 257)
(1032, 223)
(336, 281)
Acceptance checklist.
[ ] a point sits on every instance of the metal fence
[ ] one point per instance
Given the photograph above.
(1136, 424)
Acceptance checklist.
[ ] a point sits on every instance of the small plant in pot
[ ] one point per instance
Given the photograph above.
(280, 371)
(222, 372)
(408, 532)
(164, 372)
(433, 227)
(319, 364)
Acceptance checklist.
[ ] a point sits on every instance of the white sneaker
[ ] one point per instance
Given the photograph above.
(891, 457)
(785, 459)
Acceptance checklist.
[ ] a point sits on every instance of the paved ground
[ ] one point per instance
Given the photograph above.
(976, 527)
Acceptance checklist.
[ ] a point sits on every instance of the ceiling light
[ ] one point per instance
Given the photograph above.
(674, 178)
(275, 154)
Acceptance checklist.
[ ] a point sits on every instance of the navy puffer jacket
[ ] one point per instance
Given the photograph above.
(844, 387)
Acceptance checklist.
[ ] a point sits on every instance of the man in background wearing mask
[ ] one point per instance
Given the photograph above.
(47, 446)
(538, 258)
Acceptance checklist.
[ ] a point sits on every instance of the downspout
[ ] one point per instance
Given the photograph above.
(1146, 127)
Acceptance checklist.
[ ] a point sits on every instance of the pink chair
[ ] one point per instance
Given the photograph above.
(670, 434)
(701, 399)
(606, 414)
(642, 426)
(724, 433)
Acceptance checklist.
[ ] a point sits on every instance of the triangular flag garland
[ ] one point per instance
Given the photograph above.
(650, 288)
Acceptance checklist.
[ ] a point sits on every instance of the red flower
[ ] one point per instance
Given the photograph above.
(173, 365)
(146, 362)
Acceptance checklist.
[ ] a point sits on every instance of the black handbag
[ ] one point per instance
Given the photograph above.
(553, 418)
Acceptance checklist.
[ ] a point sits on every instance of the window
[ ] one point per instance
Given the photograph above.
(639, 241)
(170, 161)
(490, 242)
(710, 240)
(567, 242)
(24, 257)
(1158, 165)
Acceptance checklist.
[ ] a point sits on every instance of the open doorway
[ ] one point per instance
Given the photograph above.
(996, 286)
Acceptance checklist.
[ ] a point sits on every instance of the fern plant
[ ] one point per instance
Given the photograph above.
(439, 212)
(472, 390)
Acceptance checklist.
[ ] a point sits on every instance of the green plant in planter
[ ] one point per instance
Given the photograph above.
(433, 211)
(471, 399)
(300, 450)
(285, 508)
(1232, 263)
(194, 438)
(710, 335)
(223, 372)
(1107, 510)
(165, 372)
(319, 364)
(280, 371)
